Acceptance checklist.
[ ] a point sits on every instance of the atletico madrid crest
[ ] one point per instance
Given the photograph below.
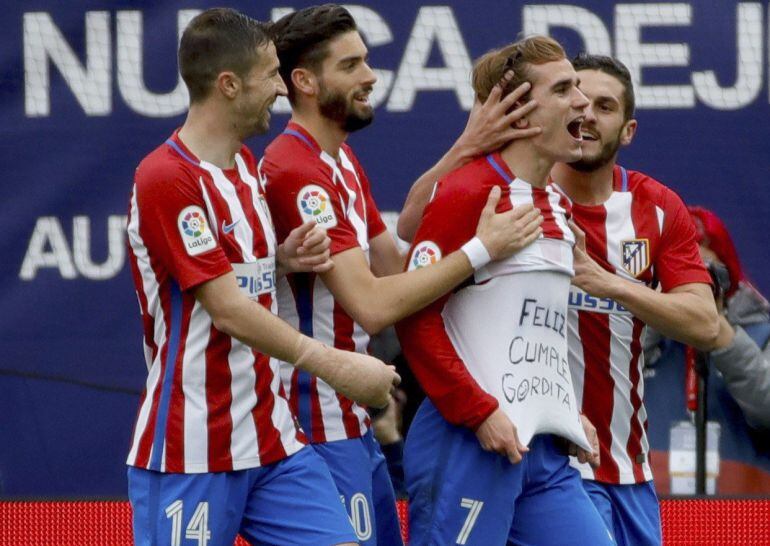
(635, 255)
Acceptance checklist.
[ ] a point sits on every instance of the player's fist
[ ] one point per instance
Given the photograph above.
(306, 249)
(505, 233)
(498, 433)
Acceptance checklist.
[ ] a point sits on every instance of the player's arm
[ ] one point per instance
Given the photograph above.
(489, 127)
(358, 376)
(685, 310)
(377, 302)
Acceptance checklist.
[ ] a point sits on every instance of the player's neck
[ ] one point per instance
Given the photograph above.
(585, 188)
(209, 136)
(527, 163)
(327, 133)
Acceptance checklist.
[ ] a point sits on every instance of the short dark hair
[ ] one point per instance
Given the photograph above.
(302, 38)
(216, 40)
(616, 69)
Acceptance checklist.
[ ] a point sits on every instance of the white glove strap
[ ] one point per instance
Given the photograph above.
(477, 253)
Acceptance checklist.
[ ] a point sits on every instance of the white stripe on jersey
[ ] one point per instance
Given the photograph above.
(359, 224)
(621, 329)
(578, 379)
(196, 432)
(244, 443)
(150, 288)
(262, 212)
(210, 211)
(242, 229)
(323, 331)
(660, 216)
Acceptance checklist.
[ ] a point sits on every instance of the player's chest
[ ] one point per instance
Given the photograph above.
(623, 235)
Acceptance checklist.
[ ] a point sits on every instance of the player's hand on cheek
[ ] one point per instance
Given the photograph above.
(489, 127)
(497, 433)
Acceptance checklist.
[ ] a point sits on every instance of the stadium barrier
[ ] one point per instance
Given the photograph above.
(686, 522)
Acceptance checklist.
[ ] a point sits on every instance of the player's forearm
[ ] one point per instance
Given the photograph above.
(252, 324)
(389, 299)
(689, 317)
(419, 195)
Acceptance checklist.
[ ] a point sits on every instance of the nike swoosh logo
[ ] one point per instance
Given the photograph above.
(227, 228)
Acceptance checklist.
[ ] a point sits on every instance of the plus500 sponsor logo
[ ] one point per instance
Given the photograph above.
(584, 302)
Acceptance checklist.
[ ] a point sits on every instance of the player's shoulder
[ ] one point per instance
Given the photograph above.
(470, 181)
(162, 168)
(644, 186)
(288, 159)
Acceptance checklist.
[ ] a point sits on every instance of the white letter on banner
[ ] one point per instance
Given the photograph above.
(588, 25)
(81, 248)
(281, 104)
(47, 232)
(375, 32)
(434, 24)
(92, 85)
(748, 82)
(629, 20)
(131, 72)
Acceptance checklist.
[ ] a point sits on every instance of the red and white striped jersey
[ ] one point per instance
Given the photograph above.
(643, 233)
(305, 183)
(466, 354)
(211, 403)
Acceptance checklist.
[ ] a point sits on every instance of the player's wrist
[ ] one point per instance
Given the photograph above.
(476, 252)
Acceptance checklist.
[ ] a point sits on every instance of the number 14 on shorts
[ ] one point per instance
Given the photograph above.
(197, 529)
(474, 508)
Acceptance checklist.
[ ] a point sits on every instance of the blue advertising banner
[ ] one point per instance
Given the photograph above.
(88, 88)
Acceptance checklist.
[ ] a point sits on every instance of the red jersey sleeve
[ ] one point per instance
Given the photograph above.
(174, 224)
(678, 260)
(297, 193)
(449, 221)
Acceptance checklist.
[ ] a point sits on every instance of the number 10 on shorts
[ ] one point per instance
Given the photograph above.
(474, 507)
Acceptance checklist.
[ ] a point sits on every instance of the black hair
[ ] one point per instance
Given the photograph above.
(302, 38)
(614, 68)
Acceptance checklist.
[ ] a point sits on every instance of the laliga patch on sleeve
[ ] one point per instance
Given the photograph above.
(424, 254)
(195, 231)
(314, 204)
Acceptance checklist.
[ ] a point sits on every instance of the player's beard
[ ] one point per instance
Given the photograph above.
(605, 155)
(335, 106)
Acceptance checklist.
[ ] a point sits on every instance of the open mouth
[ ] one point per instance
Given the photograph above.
(362, 97)
(574, 127)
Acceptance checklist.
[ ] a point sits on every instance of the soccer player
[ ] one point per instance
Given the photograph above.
(642, 267)
(492, 355)
(638, 236)
(215, 450)
(313, 175)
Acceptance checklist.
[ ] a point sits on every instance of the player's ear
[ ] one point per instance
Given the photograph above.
(304, 81)
(229, 84)
(628, 132)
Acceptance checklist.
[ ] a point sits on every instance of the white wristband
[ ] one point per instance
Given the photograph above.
(477, 253)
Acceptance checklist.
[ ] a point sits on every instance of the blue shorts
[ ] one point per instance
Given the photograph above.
(293, 501)
(630, 511)
(461, 494)
(361, 473)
